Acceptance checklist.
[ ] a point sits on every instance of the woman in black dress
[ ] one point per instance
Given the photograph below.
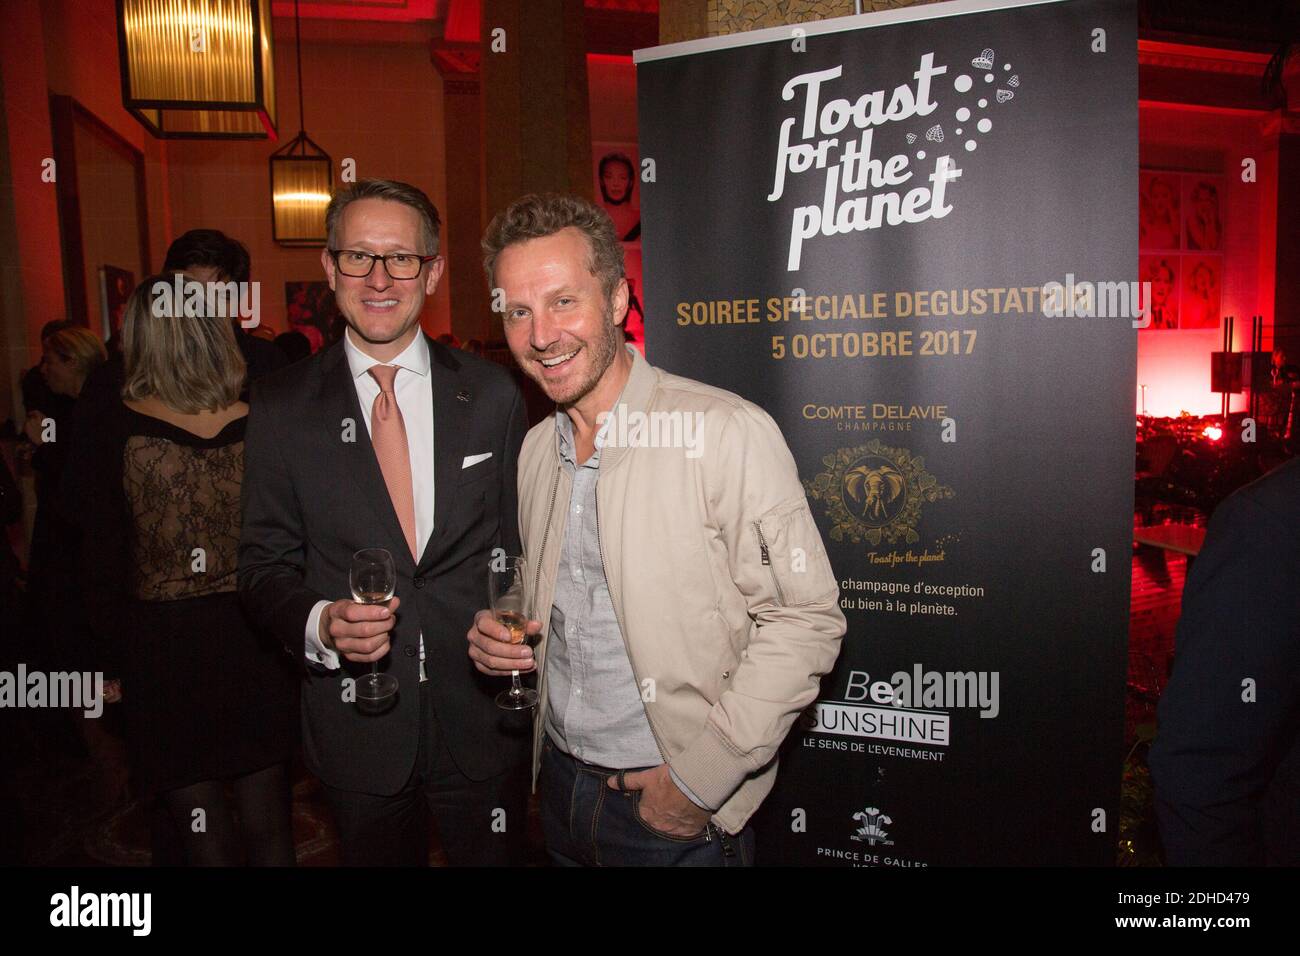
(207, 702)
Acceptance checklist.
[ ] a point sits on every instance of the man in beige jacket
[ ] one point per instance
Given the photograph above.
(684, 601)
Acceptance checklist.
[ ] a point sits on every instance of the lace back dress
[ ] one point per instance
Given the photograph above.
(205, 695)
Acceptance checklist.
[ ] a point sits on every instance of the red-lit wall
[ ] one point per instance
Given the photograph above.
(372, 95)
(378, 103)
(1175, 365)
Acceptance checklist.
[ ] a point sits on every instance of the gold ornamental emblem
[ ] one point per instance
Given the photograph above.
(874, 493)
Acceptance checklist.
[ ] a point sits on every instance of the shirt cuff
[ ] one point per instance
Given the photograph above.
(690, 795)
(315, 651)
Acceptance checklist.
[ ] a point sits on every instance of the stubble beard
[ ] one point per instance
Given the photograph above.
(605, 350)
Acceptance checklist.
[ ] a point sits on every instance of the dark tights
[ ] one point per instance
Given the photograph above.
(262, 802)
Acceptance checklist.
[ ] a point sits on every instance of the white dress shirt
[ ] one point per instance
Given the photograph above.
(413, 386)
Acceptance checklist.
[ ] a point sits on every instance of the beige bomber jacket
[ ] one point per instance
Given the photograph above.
(717, 572)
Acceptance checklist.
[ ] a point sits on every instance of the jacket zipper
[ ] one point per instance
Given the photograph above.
(767, 560)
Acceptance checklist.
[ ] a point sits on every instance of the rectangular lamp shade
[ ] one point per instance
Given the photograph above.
(198, 69)
(300, 191)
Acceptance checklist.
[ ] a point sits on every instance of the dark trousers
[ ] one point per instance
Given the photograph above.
(479, 822)
(588, 824)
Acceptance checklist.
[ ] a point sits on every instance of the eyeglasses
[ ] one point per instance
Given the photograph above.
(398, 265)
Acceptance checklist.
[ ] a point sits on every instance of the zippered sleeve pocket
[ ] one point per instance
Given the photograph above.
(790, 549)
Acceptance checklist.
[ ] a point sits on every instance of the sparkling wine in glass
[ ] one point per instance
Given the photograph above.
(506, 592)
(373, 579)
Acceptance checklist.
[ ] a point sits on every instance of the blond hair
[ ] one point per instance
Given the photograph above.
(535, 216)
(191, 363)
(77, 345)
(390, 190)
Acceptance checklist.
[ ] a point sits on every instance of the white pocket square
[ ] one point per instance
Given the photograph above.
(471, 460)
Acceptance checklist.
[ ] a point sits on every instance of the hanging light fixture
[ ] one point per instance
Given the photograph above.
(198, 69)
(302, 178)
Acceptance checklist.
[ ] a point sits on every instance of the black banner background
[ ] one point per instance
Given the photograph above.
(1040, 471)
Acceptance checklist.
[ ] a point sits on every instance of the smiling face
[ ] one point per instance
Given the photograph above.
(561, 329)
(383, 312)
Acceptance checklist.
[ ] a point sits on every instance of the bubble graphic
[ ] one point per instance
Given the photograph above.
(920, 154)
(1006, 66)
(970, 145)
(962, 84)
(963, 115)
(988, 77)
(957, 131)
(985, 125)
(983, 103)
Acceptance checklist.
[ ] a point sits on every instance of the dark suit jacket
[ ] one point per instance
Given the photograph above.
(311, 499)
(1227, 772)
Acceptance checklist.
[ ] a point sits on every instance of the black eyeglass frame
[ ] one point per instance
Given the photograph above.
(335, 253)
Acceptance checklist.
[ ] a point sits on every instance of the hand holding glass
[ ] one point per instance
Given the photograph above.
(373, 579)
(506, 592)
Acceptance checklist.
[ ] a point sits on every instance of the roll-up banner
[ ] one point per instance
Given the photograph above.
(911, 237)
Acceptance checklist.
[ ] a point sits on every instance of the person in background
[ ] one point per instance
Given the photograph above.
(207, 702)
(209, 255)
(38, 397)
(294, 345)
(1226, 758)
(36, 391)
(11, 808)
(204, 255)
(70, 357)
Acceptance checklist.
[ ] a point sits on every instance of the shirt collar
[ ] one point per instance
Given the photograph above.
(564, 430)
(414, 358)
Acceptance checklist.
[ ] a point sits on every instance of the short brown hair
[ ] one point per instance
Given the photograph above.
(188, 362)
(77, 345)
(538, 215)
(393, 191)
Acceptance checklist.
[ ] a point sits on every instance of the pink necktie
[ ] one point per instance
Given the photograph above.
(388, 436)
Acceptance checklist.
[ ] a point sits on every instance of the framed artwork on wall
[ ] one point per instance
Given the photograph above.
(1180, 240)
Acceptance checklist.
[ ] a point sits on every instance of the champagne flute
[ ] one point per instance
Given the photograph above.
(506, 592)
(373, 579)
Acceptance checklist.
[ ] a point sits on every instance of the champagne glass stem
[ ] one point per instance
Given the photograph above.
(515, 689)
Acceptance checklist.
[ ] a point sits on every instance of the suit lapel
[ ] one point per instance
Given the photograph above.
(453, 404)
(359, 465)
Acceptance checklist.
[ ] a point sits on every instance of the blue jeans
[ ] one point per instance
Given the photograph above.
(588, 824)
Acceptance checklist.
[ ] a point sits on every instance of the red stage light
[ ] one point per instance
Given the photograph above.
(1213, 432)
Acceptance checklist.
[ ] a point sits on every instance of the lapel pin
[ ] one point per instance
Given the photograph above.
(462, 396)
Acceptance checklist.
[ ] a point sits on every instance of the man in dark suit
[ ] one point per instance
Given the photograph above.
(1226, 759)
(389, 439)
